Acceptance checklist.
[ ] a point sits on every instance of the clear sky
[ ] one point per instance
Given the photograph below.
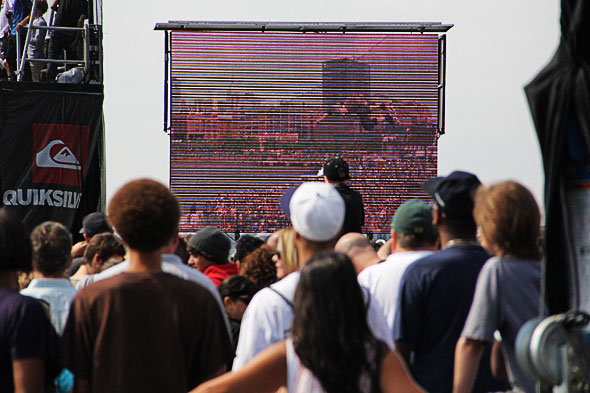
(495, 48)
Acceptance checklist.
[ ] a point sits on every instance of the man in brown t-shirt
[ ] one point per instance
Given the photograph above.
(144, 330)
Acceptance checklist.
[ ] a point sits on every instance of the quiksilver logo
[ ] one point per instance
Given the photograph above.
(42, 197)
(64, 158)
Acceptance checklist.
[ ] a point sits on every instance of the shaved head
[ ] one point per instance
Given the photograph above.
(358, 249)
(351, 240)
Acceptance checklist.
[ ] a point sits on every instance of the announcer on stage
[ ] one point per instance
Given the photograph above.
(336, 172)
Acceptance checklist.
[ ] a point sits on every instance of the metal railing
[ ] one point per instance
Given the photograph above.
(21, 58)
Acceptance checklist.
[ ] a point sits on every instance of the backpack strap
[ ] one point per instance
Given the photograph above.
(282, 296)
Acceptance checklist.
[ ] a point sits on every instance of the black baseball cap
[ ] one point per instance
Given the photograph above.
(95, 223)
(335, 169)
(453, 194)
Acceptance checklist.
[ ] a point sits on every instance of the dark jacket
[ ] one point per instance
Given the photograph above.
(355, 212)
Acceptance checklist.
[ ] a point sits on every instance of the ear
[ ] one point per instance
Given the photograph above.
(227, 301)
(436, 215)
(95, 261)
(86, 237)
(393, 241)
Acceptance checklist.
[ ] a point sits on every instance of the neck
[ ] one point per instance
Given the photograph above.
(8, 279)
(446, 236)
(305, 255)
(82, 272)
(403, 249)
(40, 276)
(145, 262)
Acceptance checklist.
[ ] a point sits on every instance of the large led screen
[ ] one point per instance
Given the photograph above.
(253, 114)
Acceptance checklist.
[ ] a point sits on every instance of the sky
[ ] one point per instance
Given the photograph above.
(495, 48)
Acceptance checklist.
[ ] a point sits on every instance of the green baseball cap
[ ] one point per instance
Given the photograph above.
(414, 218)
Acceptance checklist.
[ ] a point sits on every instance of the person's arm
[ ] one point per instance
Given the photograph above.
(78, 38)
(385, 249)
(395, 377)
(265, 373)
(467, 355)
(497, 363)
(78, 249)
(23, 23)
(28, 375)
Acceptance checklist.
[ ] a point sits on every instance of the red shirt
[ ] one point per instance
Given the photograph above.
(218, 273)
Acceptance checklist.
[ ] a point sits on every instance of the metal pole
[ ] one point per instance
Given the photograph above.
(21, 66)
(166, 58)
(17, 55)
(86, 43)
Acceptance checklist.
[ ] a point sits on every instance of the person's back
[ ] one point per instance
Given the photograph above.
(336, 172)
(354, 218)
(414, 237)
(154, 334)
(436, 291)
(51, 257)
(28, 342)
(144, 330)
(508, 288)
(448, 277)
(317, 213)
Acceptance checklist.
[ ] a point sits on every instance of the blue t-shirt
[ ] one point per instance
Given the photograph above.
(434, 300)
(20, 10)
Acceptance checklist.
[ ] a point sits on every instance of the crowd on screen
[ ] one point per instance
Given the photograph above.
(314, 307)
(399, 143)
(16, 19)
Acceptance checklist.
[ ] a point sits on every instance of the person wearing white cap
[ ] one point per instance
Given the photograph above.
(317, 213)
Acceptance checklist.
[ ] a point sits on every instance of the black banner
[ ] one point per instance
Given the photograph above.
(51, 145)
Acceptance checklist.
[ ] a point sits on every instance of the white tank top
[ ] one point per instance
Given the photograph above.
(301, 380)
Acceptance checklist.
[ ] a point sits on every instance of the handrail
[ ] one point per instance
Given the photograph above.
(22, 58)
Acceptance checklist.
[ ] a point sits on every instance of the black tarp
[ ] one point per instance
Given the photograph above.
(51, 147)
(559, 99)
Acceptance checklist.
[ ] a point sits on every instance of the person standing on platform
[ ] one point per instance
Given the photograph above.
(336, 173)
(69, 13)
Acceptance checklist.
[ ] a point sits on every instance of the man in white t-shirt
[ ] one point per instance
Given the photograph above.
(317, 213)
(414, 237)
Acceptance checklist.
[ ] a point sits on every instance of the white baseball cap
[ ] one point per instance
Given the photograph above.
(317, 211)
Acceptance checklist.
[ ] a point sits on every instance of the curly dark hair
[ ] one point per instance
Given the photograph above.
(52, 246)
(145, 214)
(259, 267)
(15, 243)
(340, 348)
(246, 244)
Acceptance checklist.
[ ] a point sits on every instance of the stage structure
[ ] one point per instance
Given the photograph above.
(255, 108)
(51, 138)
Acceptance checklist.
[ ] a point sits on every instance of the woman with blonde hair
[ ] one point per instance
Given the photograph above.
(285, 258)
(507, 293)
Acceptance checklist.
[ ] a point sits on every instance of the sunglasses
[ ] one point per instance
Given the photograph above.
(278, 254)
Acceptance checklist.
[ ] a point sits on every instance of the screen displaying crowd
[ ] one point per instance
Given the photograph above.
(253, 114)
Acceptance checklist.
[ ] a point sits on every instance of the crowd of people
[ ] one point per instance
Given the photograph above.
(16, 18)
(312, 308)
